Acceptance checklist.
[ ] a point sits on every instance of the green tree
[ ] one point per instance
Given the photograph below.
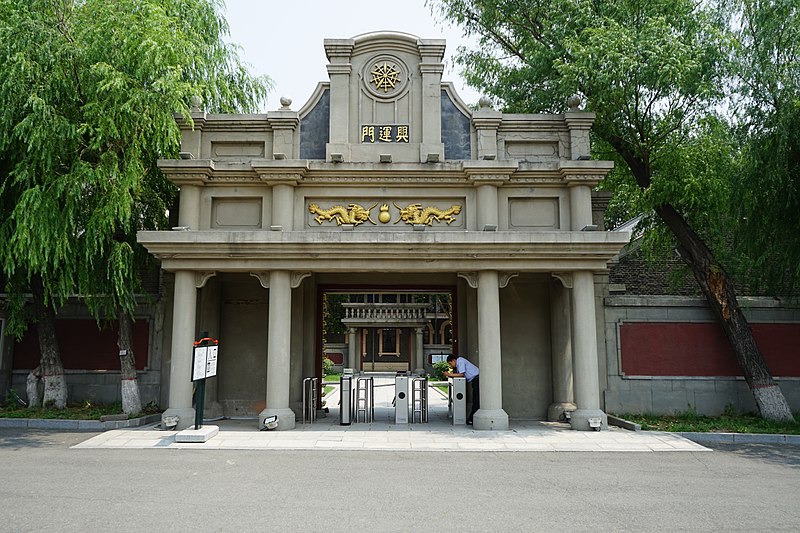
(766, 57)
(89, 90)
(651, 71)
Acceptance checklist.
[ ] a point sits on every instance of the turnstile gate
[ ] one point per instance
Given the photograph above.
(401, 399)
(419, 399)
(365, 399)
(346, 400)
(457, 400)
(310, 398)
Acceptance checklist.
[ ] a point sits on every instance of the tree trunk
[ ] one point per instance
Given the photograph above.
(721, 296)
(131, 401)
(55, 384)
(32, 384)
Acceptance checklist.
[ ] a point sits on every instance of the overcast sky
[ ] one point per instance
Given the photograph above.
(284, 39)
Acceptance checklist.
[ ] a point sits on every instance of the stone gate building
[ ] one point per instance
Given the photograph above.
(384, 181)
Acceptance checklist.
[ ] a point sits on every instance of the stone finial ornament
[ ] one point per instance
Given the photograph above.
(196, 101)
(485, 102)
(574, 102)
(286, 102)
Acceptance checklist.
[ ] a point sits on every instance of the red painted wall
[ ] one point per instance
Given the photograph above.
(701, 349)
(83, 346)
(336, 357)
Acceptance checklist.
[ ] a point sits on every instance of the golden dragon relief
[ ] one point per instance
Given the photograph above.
(417, 215)
(354, 214)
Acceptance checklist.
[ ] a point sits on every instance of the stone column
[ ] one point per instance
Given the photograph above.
(283, 205)
(210, 297)
(183, 336)
(580, 205)
(487, 177)
(487, 205)
(561, 350)
(587, 380)
(352, 349)
(189, 212)
(491, 414)
(419, 351)
(278, 354)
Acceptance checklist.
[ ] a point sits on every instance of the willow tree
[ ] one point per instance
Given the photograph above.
(89, 89)
(766, 57)
(650, 70)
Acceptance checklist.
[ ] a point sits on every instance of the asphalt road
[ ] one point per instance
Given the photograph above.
(47, 486)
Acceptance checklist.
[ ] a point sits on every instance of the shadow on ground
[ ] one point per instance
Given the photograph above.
(24, 438)
(776, 454)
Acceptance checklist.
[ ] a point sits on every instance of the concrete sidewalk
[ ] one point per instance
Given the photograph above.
(438, 434)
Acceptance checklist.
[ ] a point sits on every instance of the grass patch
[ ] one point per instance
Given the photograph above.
(84, 411)
(327, 389)
(728, 422)
(331, 377)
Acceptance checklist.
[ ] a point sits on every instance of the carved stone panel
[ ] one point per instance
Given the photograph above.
(236, 213)
(533, 213)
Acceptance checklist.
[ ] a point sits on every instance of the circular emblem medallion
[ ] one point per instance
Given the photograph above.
(385, 76)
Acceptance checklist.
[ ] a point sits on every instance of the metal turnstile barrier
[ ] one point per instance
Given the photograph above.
(310, 398)
(346, 400)
(419, 399)
(457, 400)
(365, 399)
(401, 399)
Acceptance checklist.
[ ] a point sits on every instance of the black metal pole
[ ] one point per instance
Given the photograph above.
(199, 404)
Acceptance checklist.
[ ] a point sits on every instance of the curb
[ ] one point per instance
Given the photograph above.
(740, 438)
(94, 425)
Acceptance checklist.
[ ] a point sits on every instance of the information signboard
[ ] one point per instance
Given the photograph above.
(204, 364)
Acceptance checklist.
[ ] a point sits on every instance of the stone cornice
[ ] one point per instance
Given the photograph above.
(197, 122)
(187, 171)
(272, 172)
(489, 172)
(431, 68)
(579, 120)
(431, 48)
(429, 251)
(336, 68)
(590, 172)
(283, 119)
(338, 48)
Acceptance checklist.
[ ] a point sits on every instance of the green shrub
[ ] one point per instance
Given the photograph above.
(439, 369)
(327, 366)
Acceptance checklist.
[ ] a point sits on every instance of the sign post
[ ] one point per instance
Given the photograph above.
(204, 365)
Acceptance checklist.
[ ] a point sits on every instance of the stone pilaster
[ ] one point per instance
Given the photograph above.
(352, 349)
(431, 68)
(284, 123)
(419, 351)
(486, 121)
(339, 52)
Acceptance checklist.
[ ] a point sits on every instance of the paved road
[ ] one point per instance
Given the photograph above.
(48, 486)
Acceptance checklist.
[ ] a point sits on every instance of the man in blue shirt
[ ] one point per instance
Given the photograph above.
(465, 369)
